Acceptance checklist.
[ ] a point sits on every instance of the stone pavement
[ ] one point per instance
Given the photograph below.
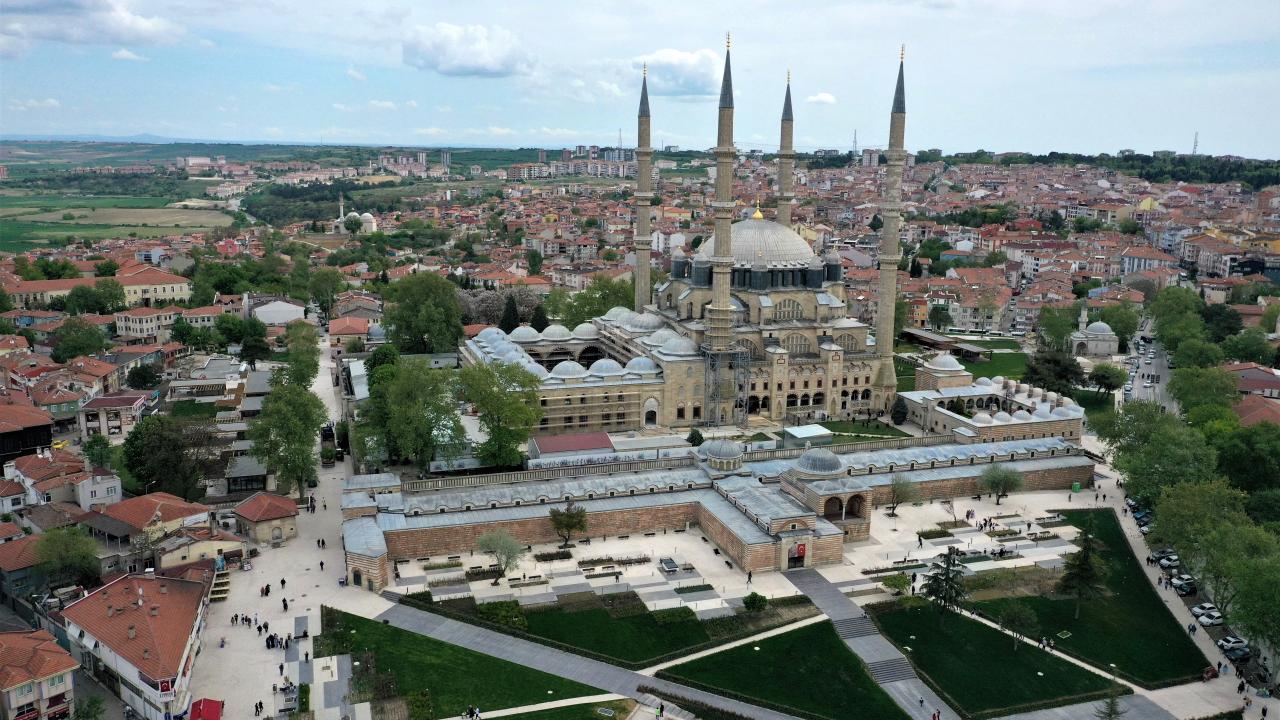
(597, 674)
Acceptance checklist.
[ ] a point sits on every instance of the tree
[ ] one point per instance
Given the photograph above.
(1193, 387)
(324, 285)
(111, 297)
(1000, 481)
(1190, 510)
(97, 450)
(303, 343)
(944, 584)
(90, 708)
(572, 519)
(1256, 614)
(1249, 345)
(1055, 326)
(382, 355)
(1054, 371)
(506, 551)
(106, 268)
(1146, 287)
(231, 327)
(940, 317)
(1129, 226)
(1018, 619)
(1249, 457)
(534, 259)
(1110, 708)
(901, 490)
(1175, 300)
(182, 331)
(354, 346)
(82, 299)
(422, 413)
(1123, 320)
(510, 316)
(1225, 554)
(1268, 323)
(539, 320)
(144, 377)
(755, 603)
(1222, 321)
(898, 413)
(1175, 454)
(1198, 353)
(68, 555)
(352, 225)
(694, 437)
(898, 584)
(1082, 571)
(284, 435)
(162, 453)
(75, 338)
(1174, 331)
(505, 397)
(598, 298)
(424, 315)
(6, 302)
(254, 349)
(1108, 378)
(876, 223)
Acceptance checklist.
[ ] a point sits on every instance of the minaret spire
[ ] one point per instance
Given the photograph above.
(890, 254)
(786, 160)
(721, 388)
(644, 196)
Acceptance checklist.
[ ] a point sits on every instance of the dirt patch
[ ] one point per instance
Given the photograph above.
(1011, 582)
(163, 217)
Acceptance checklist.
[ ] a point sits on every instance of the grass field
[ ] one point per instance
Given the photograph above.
(588, 711)
(634, 638)
(906, 383)
(1130, 626)
(81, 201)
(21, 235)
(877, 429)
(808, 669)
(1093, 403)
(193, 409)
(455, 677)
(1009, 365)
(977, 668)
(168, 217)
(996, 344)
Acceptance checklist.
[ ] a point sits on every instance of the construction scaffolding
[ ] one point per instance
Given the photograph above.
(725, 386)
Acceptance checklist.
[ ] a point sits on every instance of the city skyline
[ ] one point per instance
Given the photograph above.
(992, 74)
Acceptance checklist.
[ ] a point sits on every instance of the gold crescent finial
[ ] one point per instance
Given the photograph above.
(902, 52)
(728, 41)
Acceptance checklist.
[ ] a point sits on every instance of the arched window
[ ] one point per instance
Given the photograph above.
(788, 310)
(849, 342)
(797, 344)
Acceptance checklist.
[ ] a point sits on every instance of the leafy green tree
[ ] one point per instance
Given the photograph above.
(1175, 300)
(354, 346)
(1129, 226)
(1256, 614)
(1055, 326)
(1173, 331)
(1107, 378)
(901, 490)
(97, 450)
(1110, 708)
(898, 584)
(76, 338)
(1020, 620)
(1193, 387)
(182, 331)
(82, 299)
(352, 225)
(231, 327)
(1123, 319)
(6, 302)
(382, 355)
(1263, 507)
(694, 437)
(110, 295)
(940, 317)
(1189, 511)
(1268, 323)
(539, 320)
(302, 339)
(1250, 345)
(1053, 370)
(1000, 481)
(1198, 353)
(506, 550)
(424, 315)
(505, 397)
(422, 413)
(572, 519)
(1082, 571)
(254, 349)
(898, 413)
(106, 268)
(510, 316)
(325, 284)
(144, 377)
(1176, 454)
(284, 435)
(1226, 553)
(595, 300)
(534, 258)
(1249, 457)
(944, 584)
(90, 708)
(163, 454)
(1222, 321)
(756, 603)
(68, 555)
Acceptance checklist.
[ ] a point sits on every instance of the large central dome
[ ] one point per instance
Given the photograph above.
(763, 240)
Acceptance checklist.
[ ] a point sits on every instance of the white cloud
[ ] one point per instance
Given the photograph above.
(493, 130)
(822, 98)
(83, 22)
(34, 104)
(126, 54)
(679, 72)
(272, 87)
(411, 103)
(554, 132)
(470, 50)
(382, 105)
(444, 108)
(430, 131)
(342, 107)
(355, 74)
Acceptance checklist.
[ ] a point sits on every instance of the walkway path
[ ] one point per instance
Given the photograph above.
(597, 674)
(888, 667)
(569, 702)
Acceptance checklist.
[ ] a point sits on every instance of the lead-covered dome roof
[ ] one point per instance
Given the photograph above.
(752, 239)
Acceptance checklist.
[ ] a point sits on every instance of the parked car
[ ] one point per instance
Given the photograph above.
(1239, 655)
(1144, 529)
(1160, 554)
(1170, 561)
(1231, 642)
(1213, 617)
(1202, 608)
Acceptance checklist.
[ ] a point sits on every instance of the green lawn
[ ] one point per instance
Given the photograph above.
(455, 676)
(977, 668)
(847, 427)
(1131, 626)
(193, 409)
(576, 712)
(906, 383)
(1002, 344)
(809, 669)
(21, 234)
(635, 638)
(1093, 403)
(1010, 365)
(80, 201)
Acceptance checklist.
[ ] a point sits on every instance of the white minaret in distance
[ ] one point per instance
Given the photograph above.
(644, 196)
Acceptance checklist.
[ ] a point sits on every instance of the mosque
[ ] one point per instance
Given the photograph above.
(752, 324)
(338, 226)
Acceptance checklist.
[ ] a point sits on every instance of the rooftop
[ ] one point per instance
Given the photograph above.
(29, 656)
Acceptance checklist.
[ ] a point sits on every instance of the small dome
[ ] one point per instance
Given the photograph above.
(1063, 413)
(1042, 411)
(605, 367)
(815, 263)
(586, 331)
(366, 216)
(984, 382)
(981, 418)
(997, 380)
(353, 214)
(1021, 415)
(557, 333)
(641, 364)
(616, 312)
(1099, 328)
(679, 346)
(537, 370)
(819, 461)
(943, 361)
(643, 322)
(524, 333)
(1068, 402)
(656, 339)
(1051, 397)
(490, 333)
(720, 450)
(1002, 417)
(513, 355)
(568, 369)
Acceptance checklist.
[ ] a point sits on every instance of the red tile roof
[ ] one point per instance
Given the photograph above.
(20, 417)
(8, 530)
(572, 443)
(141, 511)
(19, 554)
(29, 656)
(1254, 409)
(266, 506)
(349, 326)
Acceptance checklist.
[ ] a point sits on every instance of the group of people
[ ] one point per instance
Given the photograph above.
(473, 713)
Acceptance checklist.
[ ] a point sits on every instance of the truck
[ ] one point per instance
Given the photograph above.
(328, 447)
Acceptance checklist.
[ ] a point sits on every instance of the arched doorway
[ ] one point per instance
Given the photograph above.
(356, 578)
(764, 404)
(819, 399)
(857, 507)
(792, 400)
(753, 404)
(590, 354)
(557, 355)
(832, 508)
(651, 412)
(277, 533)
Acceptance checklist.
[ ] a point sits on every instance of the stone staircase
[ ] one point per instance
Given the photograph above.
(221, 587)
(854, 627)
(887, 671)
(391, 595)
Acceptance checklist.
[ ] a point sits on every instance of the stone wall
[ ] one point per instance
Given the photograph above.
(746, 557)
(373, 571)
(827, 550)
(1050, 479)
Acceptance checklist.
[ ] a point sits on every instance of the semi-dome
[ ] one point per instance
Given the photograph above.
(642, 322)
(1063, 413)
(943, 361)
(557, 333)
(586, 331)
(720, 450)
(605, 367)
(679, 346)
(1099, 328)
(1002, 417)
(983, 381)
(819, 461)
(641, 364)
(659, 337)
(568, 369)
(1042, 411)
(981, 418)
(511, 355)
(778, 245)
(524, 333)
(537, 370)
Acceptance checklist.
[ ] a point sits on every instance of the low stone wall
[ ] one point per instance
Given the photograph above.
(1049, 479)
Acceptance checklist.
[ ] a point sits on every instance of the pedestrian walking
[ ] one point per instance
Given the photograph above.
(919, 540)
(281, 669)
(324, 544)
(266, 626)
(281, 583)
(325, 503)
(285, 603)
(259, 631)
(306, 657)
(321, 566)
(921, 701)
(317, 542)
(748, 577)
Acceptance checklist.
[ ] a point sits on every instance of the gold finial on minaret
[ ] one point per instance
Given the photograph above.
(902, 52)
(728, 41)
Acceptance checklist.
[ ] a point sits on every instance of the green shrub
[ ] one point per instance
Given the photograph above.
(503, 612)
(693, 589)
(553, 555)
(675, 615)
(755, 602)
(933, 533)
(418, 599)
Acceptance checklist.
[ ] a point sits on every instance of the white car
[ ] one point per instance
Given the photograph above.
(1148, 384)
(1202, 608)
(1232, 642)
(1170, 561)
(1213, 617)
(1128, 387)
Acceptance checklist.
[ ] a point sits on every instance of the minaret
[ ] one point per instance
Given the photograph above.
(644, 195)
(720, 311)
(890, 253)
(341, 210)
(786, 161)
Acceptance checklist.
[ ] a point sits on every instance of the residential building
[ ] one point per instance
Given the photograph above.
(267, 518)
(112, 415)
(36, 677)
(24, 429)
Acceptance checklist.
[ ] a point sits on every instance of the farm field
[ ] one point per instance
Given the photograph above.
(134, 216)
(17, 235)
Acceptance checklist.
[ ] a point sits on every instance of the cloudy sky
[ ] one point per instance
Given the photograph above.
(1038, 75)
